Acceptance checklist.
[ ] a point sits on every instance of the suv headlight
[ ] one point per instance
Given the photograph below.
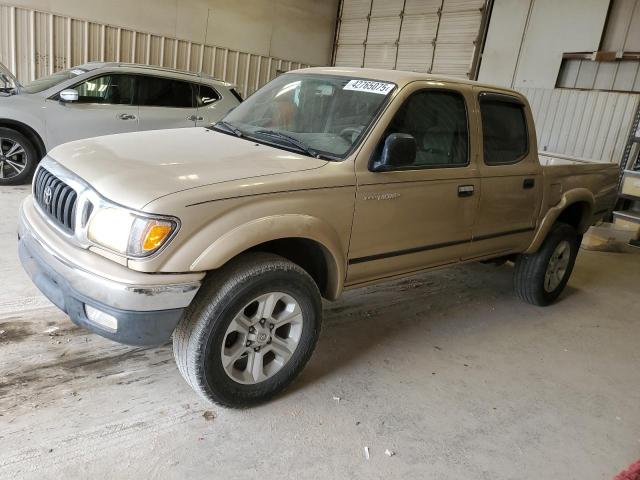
(126, 232)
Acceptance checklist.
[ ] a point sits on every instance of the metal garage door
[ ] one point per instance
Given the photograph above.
(433, 36)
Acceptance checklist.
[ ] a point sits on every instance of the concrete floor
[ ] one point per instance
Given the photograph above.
(446, 369)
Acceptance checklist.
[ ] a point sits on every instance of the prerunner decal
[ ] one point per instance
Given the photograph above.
(382, 88)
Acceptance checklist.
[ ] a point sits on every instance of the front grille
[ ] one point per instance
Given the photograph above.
(56, 198)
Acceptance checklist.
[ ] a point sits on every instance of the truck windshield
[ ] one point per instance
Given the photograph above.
(319, 115)
(45, 83)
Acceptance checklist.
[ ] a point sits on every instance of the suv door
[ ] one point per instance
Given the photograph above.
(421, 215)
(106, 105)
(165, 103)
(510, 173)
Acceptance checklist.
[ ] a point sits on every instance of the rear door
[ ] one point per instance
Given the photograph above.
(209, 108)
(106, 105)
(511, 176)
(165, 103)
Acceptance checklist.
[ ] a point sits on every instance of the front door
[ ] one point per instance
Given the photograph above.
(105, 105)
(421, 215)
(166, 103)
(511, 177)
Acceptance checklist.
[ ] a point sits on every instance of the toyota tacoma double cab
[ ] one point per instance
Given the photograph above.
(227, 238)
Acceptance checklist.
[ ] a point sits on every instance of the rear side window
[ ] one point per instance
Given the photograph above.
(504, 130)
(164, 92)
(205, 95)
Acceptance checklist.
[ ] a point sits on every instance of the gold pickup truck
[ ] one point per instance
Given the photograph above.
(227, 238)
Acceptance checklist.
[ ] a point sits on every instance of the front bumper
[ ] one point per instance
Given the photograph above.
(146, 307)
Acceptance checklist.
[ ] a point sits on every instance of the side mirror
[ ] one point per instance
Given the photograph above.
(69, 95)
(399, 151)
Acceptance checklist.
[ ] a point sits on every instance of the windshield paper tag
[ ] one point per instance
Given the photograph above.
(77, 71)
(369, 86)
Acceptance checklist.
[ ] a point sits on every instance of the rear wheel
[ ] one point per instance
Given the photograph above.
(18, 157)
(250, 330)
(540, 277)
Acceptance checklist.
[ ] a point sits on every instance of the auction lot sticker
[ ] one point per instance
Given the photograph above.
(369, 86)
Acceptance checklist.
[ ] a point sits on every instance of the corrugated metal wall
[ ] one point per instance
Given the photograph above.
(588, 124)
(33, 44)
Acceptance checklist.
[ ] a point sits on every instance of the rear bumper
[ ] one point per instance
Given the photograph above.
(142, 309)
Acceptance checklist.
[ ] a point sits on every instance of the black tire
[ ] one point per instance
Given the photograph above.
(198, 338)
(29, 159)
(530, 270)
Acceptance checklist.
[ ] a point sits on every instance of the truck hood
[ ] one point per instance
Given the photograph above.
(134, 169)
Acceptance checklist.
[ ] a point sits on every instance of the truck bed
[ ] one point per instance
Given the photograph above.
(563, 173)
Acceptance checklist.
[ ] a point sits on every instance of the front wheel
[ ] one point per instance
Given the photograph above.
(540, 277)
(18, 157)
(250, 330)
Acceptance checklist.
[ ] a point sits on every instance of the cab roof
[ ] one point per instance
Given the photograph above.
(399, 77)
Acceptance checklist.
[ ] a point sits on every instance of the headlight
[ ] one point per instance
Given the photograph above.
(128, 233)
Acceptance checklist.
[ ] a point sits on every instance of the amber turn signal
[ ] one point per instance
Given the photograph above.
(156, 235)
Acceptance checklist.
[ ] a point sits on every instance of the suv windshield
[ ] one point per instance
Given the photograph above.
(320, 115)
(45, 83)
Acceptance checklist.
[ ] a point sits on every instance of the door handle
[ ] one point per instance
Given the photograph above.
(126, 116)
(465, 190)
(528, 183)
(194, 118)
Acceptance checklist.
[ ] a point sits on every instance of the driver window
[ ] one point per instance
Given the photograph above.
(107, 89)
(438, 122)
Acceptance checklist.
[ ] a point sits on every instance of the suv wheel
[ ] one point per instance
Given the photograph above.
(18, 157)
(250, 330)
(540, 277)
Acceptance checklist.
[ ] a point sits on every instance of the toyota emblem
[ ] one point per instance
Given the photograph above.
(48, 193)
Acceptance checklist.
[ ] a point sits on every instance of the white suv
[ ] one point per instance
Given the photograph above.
(99, 99)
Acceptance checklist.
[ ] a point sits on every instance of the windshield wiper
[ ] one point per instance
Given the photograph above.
(227, 126)
(291, 140)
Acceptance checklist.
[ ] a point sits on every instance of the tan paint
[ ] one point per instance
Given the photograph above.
(248, 235)
(505, 205)
(569, 198)
(420, 216)
(231, 195)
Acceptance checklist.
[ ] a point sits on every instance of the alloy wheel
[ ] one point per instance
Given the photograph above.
(557, 266)
(13, 158)
(262, 338)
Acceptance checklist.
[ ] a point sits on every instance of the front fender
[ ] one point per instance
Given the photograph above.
(274, 227)
(26, 114)
(568, 198)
